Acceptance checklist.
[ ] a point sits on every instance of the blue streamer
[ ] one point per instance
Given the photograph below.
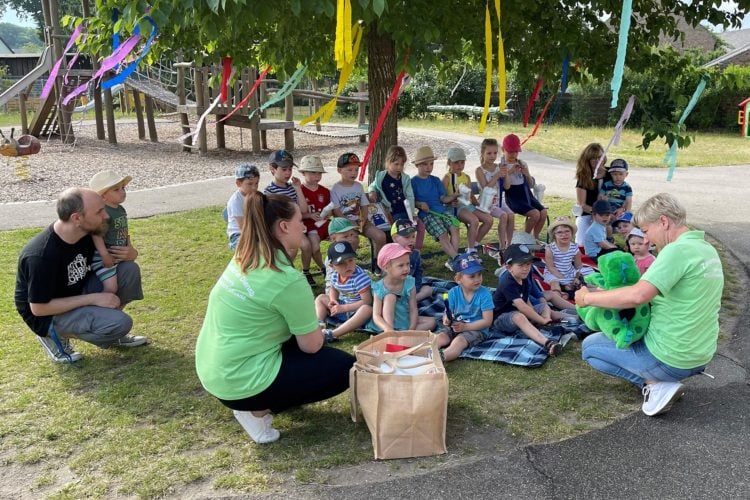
(627, 10)
(670, 159)
(563, 88)
(124, 74)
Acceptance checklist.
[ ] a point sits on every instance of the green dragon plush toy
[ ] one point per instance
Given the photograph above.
(616, 270)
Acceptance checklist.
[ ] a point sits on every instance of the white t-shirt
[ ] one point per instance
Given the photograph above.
(349, 199)
(235, 208)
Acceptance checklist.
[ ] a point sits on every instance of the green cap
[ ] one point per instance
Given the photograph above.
(340, 225)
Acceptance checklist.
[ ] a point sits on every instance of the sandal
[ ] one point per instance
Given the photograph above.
(553, 348)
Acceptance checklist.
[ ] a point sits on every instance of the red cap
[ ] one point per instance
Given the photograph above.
(512, 144)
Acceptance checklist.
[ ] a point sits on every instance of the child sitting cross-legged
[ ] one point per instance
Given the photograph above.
(562, 258)
(513, 310)
(395, 297)
(350, 297)
(468, 314)
(404, 232)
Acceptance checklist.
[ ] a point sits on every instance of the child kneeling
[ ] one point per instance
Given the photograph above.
(468, 313)
(395, 296)
(513, 310)
(349, 299)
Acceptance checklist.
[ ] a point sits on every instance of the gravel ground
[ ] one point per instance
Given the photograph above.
(60, 166)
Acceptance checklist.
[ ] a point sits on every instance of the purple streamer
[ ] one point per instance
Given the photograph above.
(56, 68)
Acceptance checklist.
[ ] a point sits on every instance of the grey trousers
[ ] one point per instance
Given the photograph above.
(103, 326)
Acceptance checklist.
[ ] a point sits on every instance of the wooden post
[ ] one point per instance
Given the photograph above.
(200, 100)
(316, 104)
(139, 114)
(221, 142)
(22, 110)
(64, 113)
(263, 97)
(361, 111)
(289, 116)
(150, 118)
(255, 120)
(182, 101)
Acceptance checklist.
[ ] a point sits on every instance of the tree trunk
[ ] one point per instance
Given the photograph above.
(381, 75)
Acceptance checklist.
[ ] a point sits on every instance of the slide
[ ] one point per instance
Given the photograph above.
(90, 104)
(45, 64)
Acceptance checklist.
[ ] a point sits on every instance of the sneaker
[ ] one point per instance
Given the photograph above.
(68, 355)
(449, 265)
(658, 397)
(328, 335)
(131, 341)
(309, 278)
(259, 429)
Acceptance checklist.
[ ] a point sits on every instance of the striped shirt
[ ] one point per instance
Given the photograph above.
(563, 262)
(350, 291)
(287, 191)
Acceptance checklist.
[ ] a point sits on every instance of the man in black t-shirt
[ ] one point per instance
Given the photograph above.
(59, 297)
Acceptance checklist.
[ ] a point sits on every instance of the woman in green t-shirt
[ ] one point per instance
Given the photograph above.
(260, 350)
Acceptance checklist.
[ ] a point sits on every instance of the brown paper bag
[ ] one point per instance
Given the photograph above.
(403, 395)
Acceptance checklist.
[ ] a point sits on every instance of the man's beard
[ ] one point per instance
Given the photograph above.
(100, 230)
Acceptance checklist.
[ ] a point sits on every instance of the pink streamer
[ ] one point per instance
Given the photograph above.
(56, 68)
(75, 58)
(624, 117)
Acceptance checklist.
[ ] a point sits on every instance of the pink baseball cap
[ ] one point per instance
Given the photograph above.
(389, 252)
(512, 144)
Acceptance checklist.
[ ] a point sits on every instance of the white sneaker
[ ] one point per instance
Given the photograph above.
(449, 265)
(259, 429)
(659, 396)
(68, 355)
(131, 341)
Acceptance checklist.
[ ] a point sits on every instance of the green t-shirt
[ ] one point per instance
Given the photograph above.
(249, 316)
(684, 324)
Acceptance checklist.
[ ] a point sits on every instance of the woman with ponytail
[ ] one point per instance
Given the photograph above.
(260, 350)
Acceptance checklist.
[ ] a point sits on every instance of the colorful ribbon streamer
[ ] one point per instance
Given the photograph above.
(72, 62)
(284, 91)
(670, 159)
(624, 117)
(56, 68)
(125, 73)
(534, 97)
(501, 78)
(199, 125)
(539, 120)
(622, 47)
(226, 72)
(326, 111)
(381, 120)
(343, 44)
(488, 63)
(249, 94)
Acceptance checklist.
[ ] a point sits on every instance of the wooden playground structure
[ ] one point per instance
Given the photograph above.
(51, 117)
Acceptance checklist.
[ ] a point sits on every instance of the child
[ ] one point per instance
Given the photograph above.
(317, 197)
(111, 186)
(621, 228)
(562, 259)
(518, 184)
(587, 187)
(281, 162)
(430, 195)
(350, 201)
(469, 314)
(490, 174)
(478, 223)
(596, 236)
(513, 310)
(350, 298)
(639, 249)
(616, 191)
(340, 229)
(403, 232)
(246, 178)
(392, 188)
(395, 296)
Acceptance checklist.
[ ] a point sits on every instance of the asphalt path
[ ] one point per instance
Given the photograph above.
(700, 449)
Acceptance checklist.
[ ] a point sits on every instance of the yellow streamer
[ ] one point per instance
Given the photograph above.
(500, 60)
(342, 49)
(488, 57)
(326, 111)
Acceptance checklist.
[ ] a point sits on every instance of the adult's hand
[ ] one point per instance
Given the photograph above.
(123, 253)
(104, 299)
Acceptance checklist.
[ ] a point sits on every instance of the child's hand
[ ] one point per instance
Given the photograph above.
(373, 197)
(503, 170)
(423, 206)
(335, 308)
(459, 327)
(108, 261)
(296, 183)
(314, 216)
(446, 321)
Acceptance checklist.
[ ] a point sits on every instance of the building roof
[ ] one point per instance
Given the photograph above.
(4, 47)
(735, 39)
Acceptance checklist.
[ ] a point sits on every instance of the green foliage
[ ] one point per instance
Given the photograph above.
(21, 39)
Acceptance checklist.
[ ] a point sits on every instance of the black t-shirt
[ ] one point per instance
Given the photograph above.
(508, 290)
(49, 268)
(591, 194)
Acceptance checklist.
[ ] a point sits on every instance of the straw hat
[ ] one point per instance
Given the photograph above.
(311, 163)
(424, 154)
(107, 179)
(561, 221)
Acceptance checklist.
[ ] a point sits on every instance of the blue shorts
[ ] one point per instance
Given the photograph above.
(504, 322)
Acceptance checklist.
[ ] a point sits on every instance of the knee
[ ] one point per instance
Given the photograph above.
(520, 320)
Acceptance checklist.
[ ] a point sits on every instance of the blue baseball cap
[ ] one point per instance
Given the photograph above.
(625, 217)
(281, 158)
(467, 263)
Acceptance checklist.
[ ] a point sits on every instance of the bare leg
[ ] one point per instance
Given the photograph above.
(389, 309)
(523, 323)
(455, 238)
(377, 236)
(540, 223)
(420, 234)
(110, 285)
(424, 292)
(472, 227)
(447, 245)
(532, 219)
(556, 300)
(455, 348)
(426, 323)
(321, 306)
(360, 318)
(315, 251)
(485, 220)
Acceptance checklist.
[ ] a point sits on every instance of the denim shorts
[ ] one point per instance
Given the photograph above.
(504, 322)
(472, 337)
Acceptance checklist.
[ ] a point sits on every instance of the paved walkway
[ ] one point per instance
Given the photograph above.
(698, 450)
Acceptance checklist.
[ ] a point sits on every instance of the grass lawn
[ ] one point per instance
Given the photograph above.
(137, 422)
